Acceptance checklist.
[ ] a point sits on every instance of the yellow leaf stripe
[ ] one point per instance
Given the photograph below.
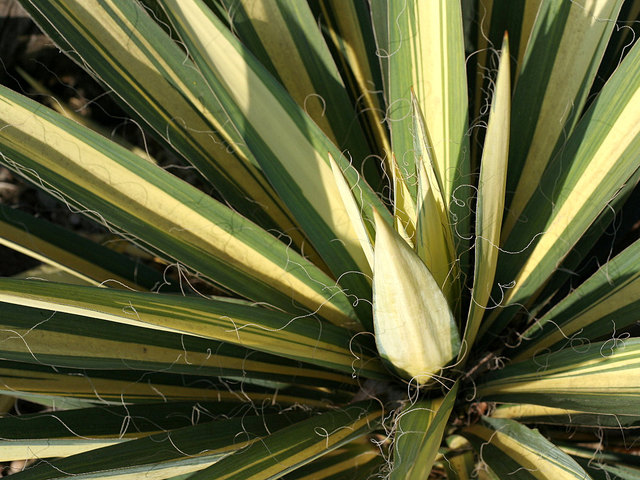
(579, 48)
(147, 194)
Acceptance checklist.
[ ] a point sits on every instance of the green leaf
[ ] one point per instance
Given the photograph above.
(298, 167)
(422, 47)
(414, 327)
(426, 52)
(305, 338)
(420, 428)
(165, 454)
(297, 445)
(514, 451)
(350, 30)
(358, 460)
(286, 39)
(66, 433)
(490, 205)
(62, 340)
(355, 214)
(138, 60)
(77, 255)
(597, 377)
(434, 241)
(605, 465)
(538, 414)
(606, 303)
(575, 259)
(76, 388)
(561, 60)
(181, 223)
(596, 162)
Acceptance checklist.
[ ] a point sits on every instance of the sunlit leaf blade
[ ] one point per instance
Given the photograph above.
(434, 238)
(65, 433)
(578, 256)
(182, 223)
(354, 461)
(72, 253)
(291, 148)
(350, 30)
(285, 38)
(418, 436)
(423, 46)
(63, 108)
(426, 53)
(304, 338)
(62, 340)
(490, 203)
(414, 327)
(596, 377)
(514, 451)
(537, 414)
(297, 445)
(622, 37)
(552, 88)
(597, 160)
(355, 214)
(605, 304)
(136, 58)
(165, 454)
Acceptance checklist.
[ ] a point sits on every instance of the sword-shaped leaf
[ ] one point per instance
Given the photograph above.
(425, 52)
(557, 71)
(85, 387)
(350, 30)
(165, 454)
(285, 37)
(594, 165)
(304, 338)
(291, 148)
(606, 303)
(354, 461)
(490, 204)
(422, 49)
(434, 241)
(514, 451)
(136, 58)
(182, 223)
(420, 428)
(597, 377)
(360, 224)
(77, 255)
(296, 445)
(63, 433)
(62, 340)
(538, 414)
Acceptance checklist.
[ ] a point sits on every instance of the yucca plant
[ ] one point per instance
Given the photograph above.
(343, 296)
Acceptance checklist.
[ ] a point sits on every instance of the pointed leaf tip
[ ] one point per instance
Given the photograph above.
(414, 327)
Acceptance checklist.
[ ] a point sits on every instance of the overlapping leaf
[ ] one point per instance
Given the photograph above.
(304, 338)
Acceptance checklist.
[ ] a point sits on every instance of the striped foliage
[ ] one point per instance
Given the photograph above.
(366, 275)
